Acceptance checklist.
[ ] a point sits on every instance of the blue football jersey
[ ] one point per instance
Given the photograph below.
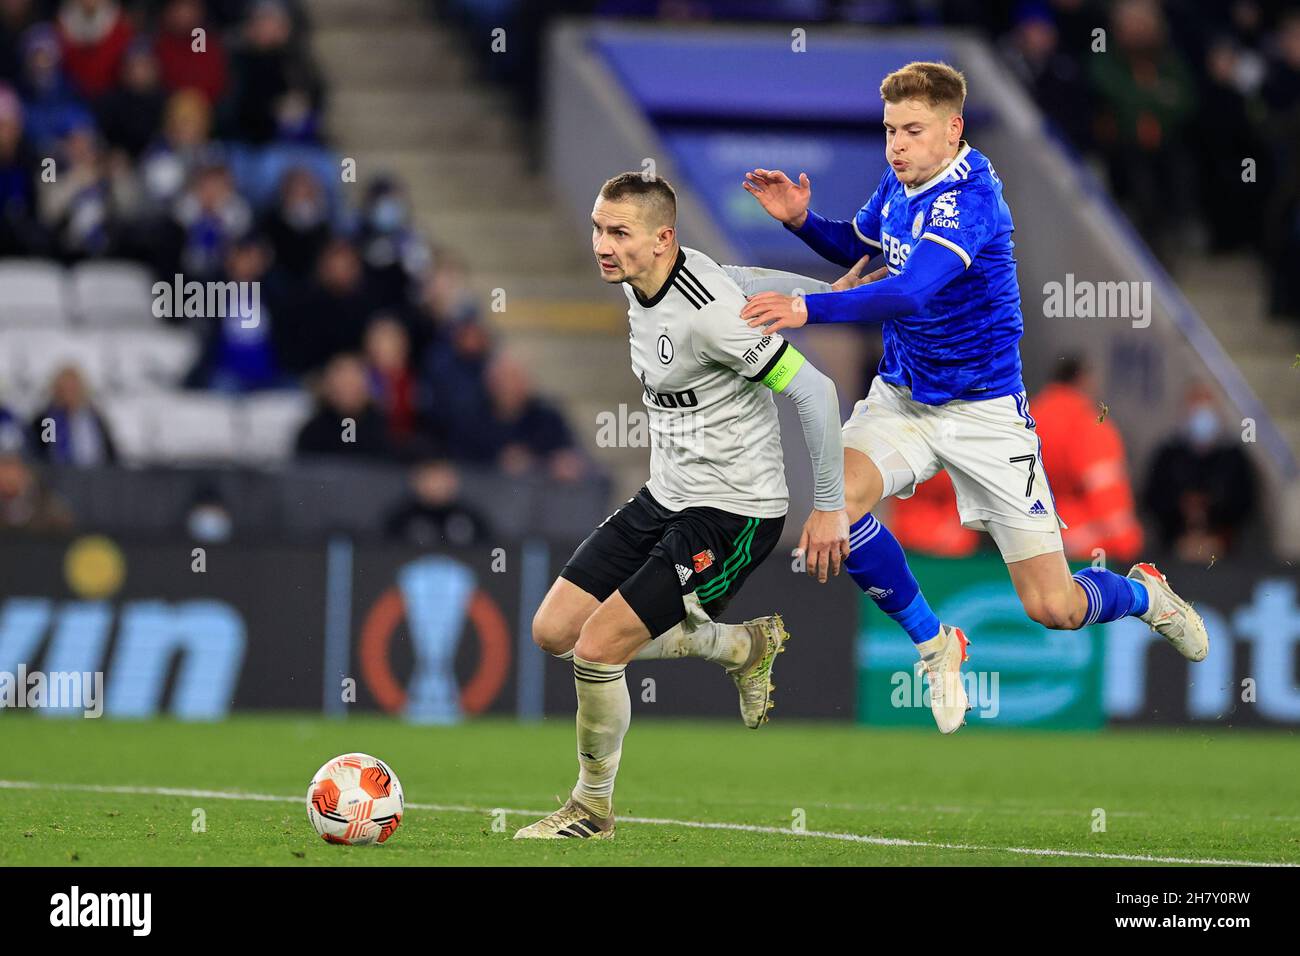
(968, 344)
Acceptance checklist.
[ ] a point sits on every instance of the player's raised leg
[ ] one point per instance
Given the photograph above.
(1056, 599)
(877, 564)
(746, 651)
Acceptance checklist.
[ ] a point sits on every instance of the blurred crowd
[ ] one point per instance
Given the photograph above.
(1199, 496)
(1169, 101)
(188, 136)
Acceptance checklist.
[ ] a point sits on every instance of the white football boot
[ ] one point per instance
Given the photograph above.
(753, 679)
(571, 821)
(1170, 616)
(942, 657)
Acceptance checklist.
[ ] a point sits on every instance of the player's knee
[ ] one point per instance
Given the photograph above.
(859, 500)
(552, 633)
(596, 642)
(1055, 610)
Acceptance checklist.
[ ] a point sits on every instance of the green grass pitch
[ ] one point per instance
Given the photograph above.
(94, 792)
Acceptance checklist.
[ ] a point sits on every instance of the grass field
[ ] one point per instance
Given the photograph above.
(94, 792)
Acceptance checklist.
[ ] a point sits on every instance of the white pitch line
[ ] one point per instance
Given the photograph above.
(655, 821)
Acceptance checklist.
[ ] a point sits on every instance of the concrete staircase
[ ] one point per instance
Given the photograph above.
(404, 99)
(1229, 293)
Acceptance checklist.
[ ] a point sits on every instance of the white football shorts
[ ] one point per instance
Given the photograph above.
(989, 449)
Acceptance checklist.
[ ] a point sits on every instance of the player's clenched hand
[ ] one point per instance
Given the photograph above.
(825, 542)
(853, 278)
(774, 312)
(783, 199)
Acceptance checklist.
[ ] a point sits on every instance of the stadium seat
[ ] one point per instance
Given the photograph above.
(111, 293)
(33, 292)
(270, 424)
(173, 427)
(29, 357)
(142, 360)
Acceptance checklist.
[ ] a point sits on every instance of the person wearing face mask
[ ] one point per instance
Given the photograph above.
(1202, 487)
(393, 252)
(298, 225)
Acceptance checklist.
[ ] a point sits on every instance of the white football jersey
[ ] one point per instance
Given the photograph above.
(715, 439)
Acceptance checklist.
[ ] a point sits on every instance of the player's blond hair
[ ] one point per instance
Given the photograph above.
(654, 193)
(938, 84)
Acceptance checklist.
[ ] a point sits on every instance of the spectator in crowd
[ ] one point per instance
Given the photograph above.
(1226, 133)
(434, 514)
(21, 232)
(187, 60)
(453, 389)
(277, 93)
(25, 503)
(206, 219)
(52, 107)
(1055, 80)
(131, 113)
(70, 430)
(1145, 102)
(1083, 456)
(240, 353)
(83, 209)
(392, 386)
(928, 522)
(12, 433)
(16, 16)
(1281, 96)
(520, 432)
(330, 315)
(346, 422)
(394, 254)
(208, 519)
(1201, 488)
(93, 36)
(182, 145)
(298, 224)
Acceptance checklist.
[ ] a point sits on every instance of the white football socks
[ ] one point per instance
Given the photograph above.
(604, 713)
(727, 644)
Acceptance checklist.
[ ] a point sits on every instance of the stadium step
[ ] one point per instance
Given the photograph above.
(383, 117)
(404, 99)
(386, 55)
(345, 13)
(1228, 292)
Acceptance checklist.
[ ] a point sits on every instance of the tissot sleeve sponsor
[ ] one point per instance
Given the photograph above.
(962, 220)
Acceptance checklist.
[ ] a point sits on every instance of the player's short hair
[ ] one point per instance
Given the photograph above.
(938, 84)
(654, 193)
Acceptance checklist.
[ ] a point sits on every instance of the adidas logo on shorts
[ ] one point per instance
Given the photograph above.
(683, 574)
(1038, 510)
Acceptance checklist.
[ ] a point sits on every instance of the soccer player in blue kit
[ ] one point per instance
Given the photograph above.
(949, 392)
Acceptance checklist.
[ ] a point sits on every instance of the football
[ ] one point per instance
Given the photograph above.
(355, 799)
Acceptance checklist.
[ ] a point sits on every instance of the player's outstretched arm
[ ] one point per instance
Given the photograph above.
(786, 201)
(930, 267)
(825, 537)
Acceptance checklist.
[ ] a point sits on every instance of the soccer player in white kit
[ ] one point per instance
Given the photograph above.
(649, 581)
